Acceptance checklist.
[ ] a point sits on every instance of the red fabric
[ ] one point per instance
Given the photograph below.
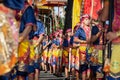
(116, 21)
(87, 32)
(87, 6)
(96, 7)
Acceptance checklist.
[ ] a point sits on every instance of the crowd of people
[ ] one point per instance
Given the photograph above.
(77, 52)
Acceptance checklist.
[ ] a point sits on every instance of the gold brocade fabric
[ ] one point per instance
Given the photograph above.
(24, 49)
(115, 61)
(8, 42)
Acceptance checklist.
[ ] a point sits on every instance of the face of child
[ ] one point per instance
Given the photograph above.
(60, 35)
(69, 33)
(86, 21)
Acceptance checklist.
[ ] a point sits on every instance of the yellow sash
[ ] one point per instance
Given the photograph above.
(60, 53)
(23, 48)
(115, 61)
(66, 53)
(82, 53)
(32, 52)
(100, 56)
(49, 53)
(82, 48)
(56, 52)
(45, 53)
(74, 52)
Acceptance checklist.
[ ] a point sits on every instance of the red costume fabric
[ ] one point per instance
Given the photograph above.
(96, 7)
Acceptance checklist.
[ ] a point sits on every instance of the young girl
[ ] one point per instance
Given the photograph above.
(50, 53)
(26, 31)
(96, 56)
(82, 35)
(55, 46)
(60, 49)
(74, 55)
(66, 51)
(45, 52)
(37, 40)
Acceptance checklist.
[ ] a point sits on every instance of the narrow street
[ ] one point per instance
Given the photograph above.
(48, 76)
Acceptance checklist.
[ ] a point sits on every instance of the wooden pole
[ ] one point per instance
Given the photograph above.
(110, 26)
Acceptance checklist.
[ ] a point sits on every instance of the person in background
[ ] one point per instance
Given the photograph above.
(45, 52)
(60, 37)
(114, 37)
(55, 46)
(50, 53)
(83, 36)
(97, 45)
(25, 51)
(66, 51)
(37, 40)
(74, 55)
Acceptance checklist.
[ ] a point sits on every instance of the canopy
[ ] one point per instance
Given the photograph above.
(54, 2)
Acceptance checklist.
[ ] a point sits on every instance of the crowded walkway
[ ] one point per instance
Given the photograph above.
(88, 49)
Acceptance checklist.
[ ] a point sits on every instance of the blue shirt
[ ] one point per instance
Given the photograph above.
(40, 29)
(95, 30)
(71, 40)
(14, 4)
(80, 33)
(56, 42)
(50, 46)
(28, 17)
(43, 43)
(65, 43)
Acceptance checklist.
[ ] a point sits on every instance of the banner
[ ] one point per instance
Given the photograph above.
(76, 12)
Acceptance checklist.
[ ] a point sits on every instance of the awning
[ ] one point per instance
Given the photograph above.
(54, 2)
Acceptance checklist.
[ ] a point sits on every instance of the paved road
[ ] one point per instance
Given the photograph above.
(48, 76)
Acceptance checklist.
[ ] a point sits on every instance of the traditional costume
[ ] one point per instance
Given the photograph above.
(45, 51)
(56, 43)
(83, 33)
(115, 59)
(40, 31)
(66, 44)
(25, 50)
(9, 37)
(96, 55)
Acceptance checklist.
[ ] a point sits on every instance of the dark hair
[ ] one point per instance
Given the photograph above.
(26, 2)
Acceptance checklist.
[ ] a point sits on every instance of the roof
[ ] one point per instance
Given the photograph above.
(54, 2)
